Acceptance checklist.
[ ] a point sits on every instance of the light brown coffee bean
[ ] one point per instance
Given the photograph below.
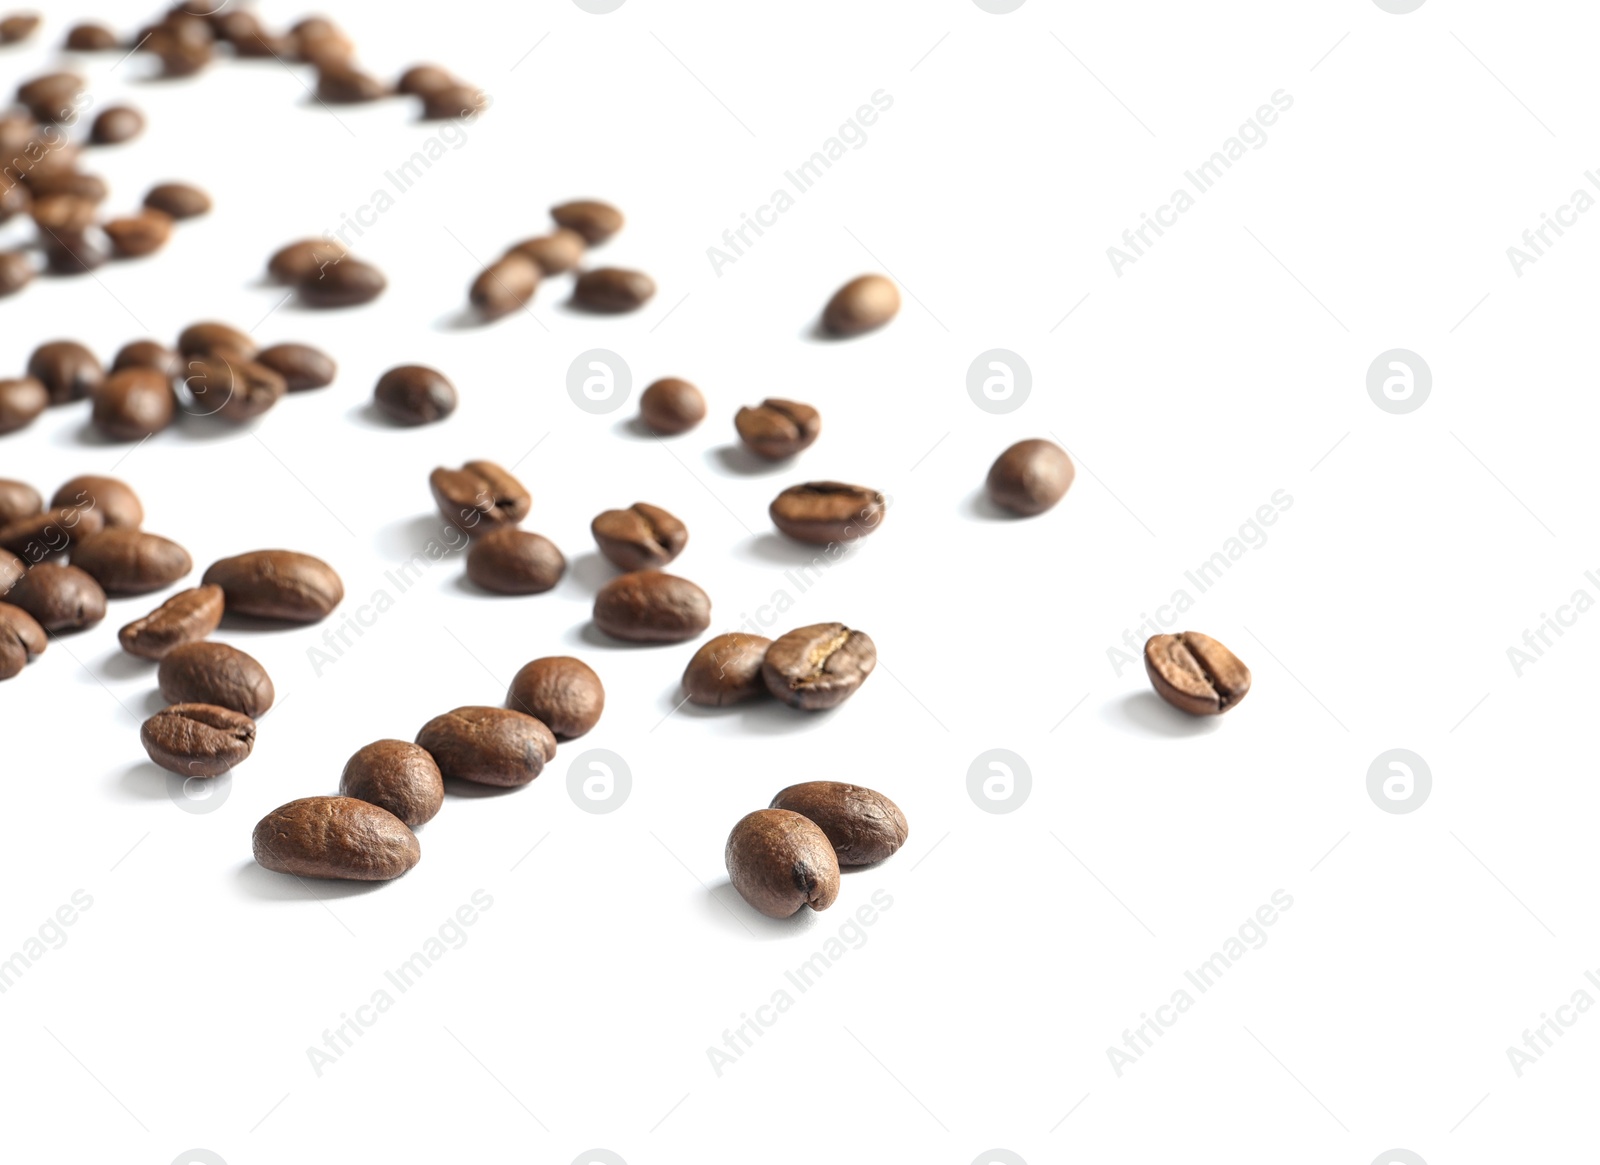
(1194, 673)
(504, 286)
(640, 537)
(779, 862)
(1030, 477)
(22, 399)
(826, 513)
(594, 221)
(398, 776)
(52, 97)
(116, 124)
(131, 562)
(301, 366)
(67, 369)
(420, 79)
(726, 670)
(480, 497)
(671, 406)
(61, 598)
(91, 38)
(509, 561)
(178, 200)
(187, 617)
(612, 289)
(206, 672)
(304, 260)
(556, 253)
(820, 666)
(198, 740)
(346, 283)
(647, 606)
(865, 303)
(52, 532)
(862, 825)
(148, 354)
(776, 428)
(489, 746)
(414, 394)
(133, 404)
(115, 500)
(277, 584)
(335, 837)
(17, 27)
(139, 234)
(18, 500)
(561, 691)
(21, 638)
(319, 41)
(211, 338)
(16, 269)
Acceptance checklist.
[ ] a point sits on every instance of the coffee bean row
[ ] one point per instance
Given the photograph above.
(509, 283)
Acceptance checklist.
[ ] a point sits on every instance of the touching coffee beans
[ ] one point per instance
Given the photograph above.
(277, 584)
(343, 284)
(862, 825)
(1194, 673)
(480, 497)
(1030, 477)
(489, 746)
(335, 837)
(233, 388)
(726, 670)
(826, 512)
(647, 606)
(820, 666)
(131, 562)
(61, 598)
(214, 339)
(556, 253)
(21, 638)
(780, 861)
(671, 406)
(304, 260)
(214, 673)
(861, 305)
(776, 429)
(187, 617)
(398, 776)
(509, 561)
(561, 691)
(198, 740)
(640, 537)
(415, 395)
(52, 532)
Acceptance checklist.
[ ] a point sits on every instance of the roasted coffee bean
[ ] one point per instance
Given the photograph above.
(556, 253)
(187, 617)
(321, 42)
(18, 26)
(489, 746)
(181, 56)
(301, 366)
(779, 862)
(398, 776)
(16, 271)
(52, 97)
(343, 284)
(61, 598)
(178, 199)
(277, 584)
(209, 339)
(825, 513)
(504, 286)
(114, 500)
(480, 497)
(12, 569)
(561, 691)
(74, 252)
(1030, 477)
(67, 369)
(91, 38)
(335, 837)
(452, 101)
(133, 404)
(237, 390)
(63, 179)
(1195, 673)
(131, 562)
(21, 400)
(594, 221)
(198, 740)
(509, 561)
(303, 260)
(15, 198)
(640, 537)
(18, 500)
(671, 406)
(115, 125)
(52, 532)
(861, 305)
(647, 606)
(340, 83)
(726, 670)
(776, 428)
(214, 673)
(420, 79)
(260, 44)
(138, 235)
(819, 666)
(413, 394)
(63, 212)
(149, 354)
(21, 638)
(862, 825)
(612, 289)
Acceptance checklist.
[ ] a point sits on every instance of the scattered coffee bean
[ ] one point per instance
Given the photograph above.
(413, 394)
(74, 252)
(453, 101)
(398, 776)
(321, 42)
(18, 500)
(301, 366)
(233, 388)
(187, 617)
(671, 406)
(91, 38)
(1194, 673)
(826, 513)
(205, 672)
(861, 305)
(52, 532)
(304, 260)
(133, 404)
(48, 183)
(131, 562)
(17, 27)
(138, 235)
(211, 339)
(61, 598)
(277, 584)
(819, 666)
(178, 199)
(420, 79)
(509, 561)
(594, 221)
(115, 125)
(776, 429)
(504, 286)
(148, 354)
(647, 606)
(780, 861)
(612, 289)
(52, 97)
(556, 253)
(1030, 477)
(480, 497)
(21, 400)
(16, 271)
(489, 746)
(21, 638)
(343, 284)
(726, 670)
(67, 369)
(335, 837)
(561, 691)
(63, 212)
(340, 83)
(198, 740)
(115, 501)
(640, 537)
(862, 825)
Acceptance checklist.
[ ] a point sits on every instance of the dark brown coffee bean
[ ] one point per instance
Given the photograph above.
(16, 271)
(64, 212)
(1030, 477)
(561, 691)
(343, 284)
(453, 101)
(612, 289)
(21, 400)
(1195, 673)
(556, 253)
(114, 500)
(209, 339)
(420, 79)
(595, 221)
(131, 562)
(277, 584)
(776, 428)
(214, 673)
(237, 390)
(779, 862)
(489, 746)
(74, 252)
(340, 83)
(504, 286)
(61, 598)
(187, 617)
(18, 26)
(398, 776)
(148, 354)
(63, 179)
(640, 537)
(825, 513)
(509, 561)
(138, 235)
(819, 666)
(335, 837)
(480, 497)
(303, 260)
(18, 500)
(178, 199)
(91, 38)
(115, 125)
(301, 366)
(647, 606)
(52, 532)
(21, 638)
(861, 305)
(862, 825)
(198, 740)
(133, 404)
(181, 56)
(262, 44)
(52, 97)
(726, 670)
(671, 406)
(67, 369)
(413, 394)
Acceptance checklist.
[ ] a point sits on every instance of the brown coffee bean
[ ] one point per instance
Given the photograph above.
(398, 776)
(15, 198)
(52, 97)
(209, 339)
(91, 38)
(148, 354)
(262, 45)
(779, 862)
(133, 404)
(640, 537)
(556, 253)
(131, 562)
(1194, 673)
(21, 638)
(504, 286)
(303, 260)
(198, 740)
(18, 26)
(647, 606)
(413, 394)
(235, 389)
(561, 691)
(187, 617)
(74, 252)
(277, 584)
(61, 598)
(67, 369)
(776, 428)
(489, 746)
(420, 79)
(63, 212)
(343, 284)
(671, 406)
(63, 179)
(12, 569)
(726, 670)
(509, 561)
(612, 289)
(301, 366)
(819, 666)
(861, 305)
(862, 825)
(480, 497)
(340, 83)
(181, 56)
(1030, 477)
(205, 672)
(321, 42)
(18, 500)
(16, 271)
(21, 400)
(594, 221)
(453, 101)
(52, 532)
(115, 125)
(138, 235)
(335, 837)
(178, 199)
(826, 513)
(114, 500)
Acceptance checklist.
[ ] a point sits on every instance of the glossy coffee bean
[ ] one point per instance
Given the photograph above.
(301, 366)
(820, 666)
(18, 500)
(18, 27)
(116, 124)
(211, 339)
(861, 305)
(726, 670)
(671, 406)
(509, 561)
(489, 746)
(413, 394)
(776, 428)
(862, 825)
(504, 286)
(187, 617)
(232, 388)
(1030, 477)
(1194, 673)
(21, 638)
(178, 200)
(277, 584)
(22, 399)
(647, 606)
(398, 776)
(612, 289)
(826, 513)
(594, 221)
(61, 598)
(148, 354)
(67, 369)
(198, 740)
(779, 862)
(561, 691)
(214, 673)
(52, 97)
(303, 260)
(420, 79)
(480, 497)
(556, 253)
(52, 532)
(641, 537)
(340, 83)
(115, 500)
(346, 283)
(133, 404)
(91, 38)
(16, 270)
(453, 101)
(335, 837)
(131, 562)
(137, 235)
(74, 252)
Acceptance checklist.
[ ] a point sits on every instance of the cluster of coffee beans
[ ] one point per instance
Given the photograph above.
(787, 856)
(510, 281)
(487, 504)
(324, 274)
(811, 668)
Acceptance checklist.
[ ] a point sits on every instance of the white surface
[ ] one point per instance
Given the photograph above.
(179, 1011)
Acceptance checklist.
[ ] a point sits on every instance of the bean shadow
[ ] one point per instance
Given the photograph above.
(591, 571)
(588, 635)
(779, 551)
(409, 536)
(369, 415)
(733, 915)
(120, 665)
(760, 715)
(270, 886)
(1148, 713)
(143, 782)
(463, 319)
(736, 458)
(635, 429)
(471, 791)
(981, 506)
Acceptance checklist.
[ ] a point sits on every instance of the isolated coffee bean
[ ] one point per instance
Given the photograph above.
(726, 670)
(480, 497)
(301, 366)
(17, 27)
(211, 339)
(233, 388)
(862, 825)
(21, 638)
(133, 404)
(22, 399)
(561, 691)
(509, 561)
(74, 252)
(131, 562)
(18, 500)
(825, 513)
(640, 537)
(819, 666)
(137, 235)
(198, 740)
(780, 861)
(52, 97)
(115, 500)
(504, 286)
(340, 83)
(148, 354)
(187, 617)
(343, 284)
(489, 746)
(335, 837)
(776, 429)
(1030, 477)
(67, 369)
(52, 532)
(613, 289)
(453, 101)
(16, 270)
(1195, 673)
(595, 221)
(303, 260)
(277, 584)
(413, 394)
(647, 606)
(91, 38)
(671, 406)
(179, 200)
(398, 776)
(420, 79)
(63, 213)
(61, 598)
(861, 305)
(116, 124)
(214, 673)
(556, 253)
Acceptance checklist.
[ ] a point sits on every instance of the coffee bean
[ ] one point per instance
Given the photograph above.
(180, 56)
(262, 45)
(187, 617)
(148, 354)
(647, 606)
(509, 561)
(398, 776)
(198, 740)
(640, 537)
(612, 289)
(235, 389)
(861, 305)
(862, 825)
(277, 584)
(480, 497)
(21, 638)
(210, 339)
(489, 746)
(115, 125)
(21, 400)
(779, 861)
(52, 532)
(139, 234)
(67, 369)
(504, 286)
(91, 38)
(321, 42)
(453, 101)
(61, 598)
(595, 221)
(63, 212)
(340, 83)
(301, 366)
(726, 670)
(561, 691)
(74, 252)
(133, 404)
(47, 183)
(16, 271)
(12, 569)
(335, 837)
(671, 406)
(178, 199)
(826, 513)
(776, 429)
(115, 501)
(1030, 477)
(52, 97)
(303, 260)
(420, 79)
(17, 27)
(205, 672)
(343, 284)
(131, 562)
(18, 500)
(15, 198)
(819, 666)
(1195, 673)
(556, 253)
(413, 394)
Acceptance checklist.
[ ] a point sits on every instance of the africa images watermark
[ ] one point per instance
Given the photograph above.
(51, 935)
(1538, 1040)
(1542, 636)
(1536, 240)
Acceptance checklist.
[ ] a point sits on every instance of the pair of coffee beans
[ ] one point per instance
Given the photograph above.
(324, 274)
(486, 503)
(811, 668)
(1194, 673)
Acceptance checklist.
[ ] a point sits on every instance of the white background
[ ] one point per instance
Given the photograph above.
(1228, 363)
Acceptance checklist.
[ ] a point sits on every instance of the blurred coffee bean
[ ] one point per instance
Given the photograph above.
(1030, 477)
(236, 390)
(453, 101)
(91, 38)
(63, 212)
(413, 394)
(66, 180)
(861, 305)
(18, 26)
(67, 369)
(178, 199)
(504, 286)
(420, 79)
(342, 284)
(74, 252)
(595, 221)
(321, 42)
(613, 289)
(133, 404)
(61, 598)
(18, 500)
(21, 400)
(340, 83)
(52, 97)
(139, 234)
(210, 338)
(12, 568)
(21, 638)
(182, 54)
(53, 532)
(16, 272)
(556, 253)
(304, 259)
(116, 503)
(148, 354)
(776, 428)
(509, 561)
(116, 124)
(671, 406)
(15, 198)
(301, 366)
(131, 562)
